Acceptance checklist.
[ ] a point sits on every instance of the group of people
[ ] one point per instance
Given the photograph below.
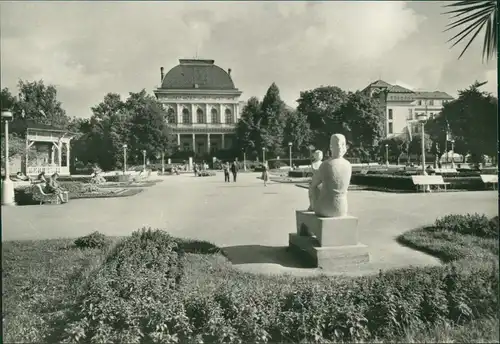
(51, 185)
(233, 168)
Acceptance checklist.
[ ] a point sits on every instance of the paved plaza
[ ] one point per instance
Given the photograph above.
(251, 221)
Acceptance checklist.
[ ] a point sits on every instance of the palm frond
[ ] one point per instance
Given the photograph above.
(475, 15)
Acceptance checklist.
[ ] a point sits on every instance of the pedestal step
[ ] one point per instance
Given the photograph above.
(327, 257)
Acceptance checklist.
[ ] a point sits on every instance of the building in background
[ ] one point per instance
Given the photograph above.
(401, 105)
(202, 104)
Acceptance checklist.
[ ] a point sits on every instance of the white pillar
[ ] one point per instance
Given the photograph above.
(178, 140)
(194, 142)
(52, 155)
(68, 156)
(208, 143)
(221, 114)
(194, 117)
(179, 113)
(59, 154)
(223, 143)
(207, 114)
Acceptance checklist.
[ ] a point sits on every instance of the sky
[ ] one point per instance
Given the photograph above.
(88, 49)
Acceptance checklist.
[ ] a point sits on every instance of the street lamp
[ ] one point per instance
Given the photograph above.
(422, 118)
(7, 187)
(386, 155)
(144, 160)
(290, 153)
(124, 158)
(244, 160)
(263, 155)
(452, 153)
(162, 163)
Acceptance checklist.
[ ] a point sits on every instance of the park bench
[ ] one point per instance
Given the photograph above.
(42, 197)
(431, 181)
(490, 179)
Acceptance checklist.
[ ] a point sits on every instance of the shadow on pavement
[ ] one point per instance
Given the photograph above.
(258, 254)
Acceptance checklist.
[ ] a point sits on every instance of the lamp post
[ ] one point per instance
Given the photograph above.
(162, 163)
(7, 187)
(144, 160)
(452, 153)
(124, 158)
(386, 155)
(244, 160)
(263, 155)
(290, 153)
(422, 118)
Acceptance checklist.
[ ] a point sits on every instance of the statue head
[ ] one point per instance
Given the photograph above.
(338, 146)
(318, 155)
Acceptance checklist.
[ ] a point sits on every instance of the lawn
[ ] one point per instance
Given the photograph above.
(151, 287)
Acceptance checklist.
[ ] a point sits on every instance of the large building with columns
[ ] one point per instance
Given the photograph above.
(202, 104)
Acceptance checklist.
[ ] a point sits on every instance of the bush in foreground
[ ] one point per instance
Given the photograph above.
(474, 224)
(138, 295)
(93, 240)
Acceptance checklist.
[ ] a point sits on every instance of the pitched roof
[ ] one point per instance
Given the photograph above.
(398, 89)
(432, 95)
(379, 83)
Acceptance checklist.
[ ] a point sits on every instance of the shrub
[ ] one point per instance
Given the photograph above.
(276, 164)
(300, 173)
(471, 224)
(93, 240)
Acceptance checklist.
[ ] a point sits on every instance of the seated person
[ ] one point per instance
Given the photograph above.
(41, 178)
(21, 176)
(53, 187)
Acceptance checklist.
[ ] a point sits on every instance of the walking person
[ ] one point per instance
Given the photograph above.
(265, 174)
(234, 170)
(225, 167)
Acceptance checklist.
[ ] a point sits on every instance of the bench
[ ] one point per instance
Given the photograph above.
(490, 179)
(421, 182)
(42, 197)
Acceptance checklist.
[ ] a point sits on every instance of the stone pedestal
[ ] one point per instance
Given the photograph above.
(327, 242)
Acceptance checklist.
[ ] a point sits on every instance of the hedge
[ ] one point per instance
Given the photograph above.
(138, 295)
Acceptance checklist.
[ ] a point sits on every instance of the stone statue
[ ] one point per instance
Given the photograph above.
(317, 160)
(329, 185)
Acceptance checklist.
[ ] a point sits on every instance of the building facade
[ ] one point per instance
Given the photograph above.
(202, 105)
(402, 106)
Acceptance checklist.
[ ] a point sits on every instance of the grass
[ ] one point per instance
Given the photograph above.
(41, 277)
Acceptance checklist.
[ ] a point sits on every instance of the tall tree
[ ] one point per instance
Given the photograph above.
(473, 121)
(298, 132)
(248, 128)
(321, 107)
(273, 114)
(472, 16)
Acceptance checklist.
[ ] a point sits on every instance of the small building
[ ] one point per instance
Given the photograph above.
(48, 150)
(202, 105)
(401, 105)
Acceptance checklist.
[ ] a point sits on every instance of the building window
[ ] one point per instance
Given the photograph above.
(171, 116)
(215, 116)
(229, 116)
(419, 102)
(200, 116)
(390, 114)
(391, 129)
(431, 102)
(410, 114)
(186, 116)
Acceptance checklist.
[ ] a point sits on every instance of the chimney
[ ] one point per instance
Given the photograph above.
(161, 73)
(229, 71)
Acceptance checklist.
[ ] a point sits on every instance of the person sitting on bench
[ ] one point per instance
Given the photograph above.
(41, 178)
(22, 177)
(53, 187)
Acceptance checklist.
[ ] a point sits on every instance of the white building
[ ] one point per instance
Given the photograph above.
(202, 103)
(402, 105)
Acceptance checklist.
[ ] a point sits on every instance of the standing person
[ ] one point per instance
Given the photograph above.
(195, 169)
(234, 170)
(225, 167)
(265, 174)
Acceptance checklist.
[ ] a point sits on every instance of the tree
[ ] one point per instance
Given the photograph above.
(248, 128)
(472, 120)
(472, 17)
(396, 147)
(272, 122)
(298, 132)
(321, 108)
(362, 123)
